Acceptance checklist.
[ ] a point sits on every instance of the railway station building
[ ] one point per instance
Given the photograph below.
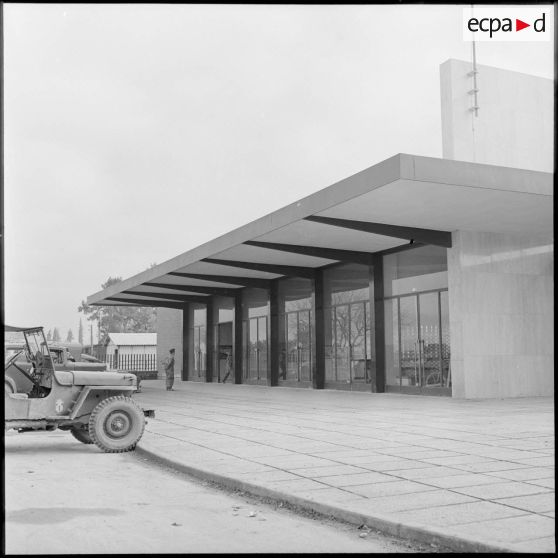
(416, 275)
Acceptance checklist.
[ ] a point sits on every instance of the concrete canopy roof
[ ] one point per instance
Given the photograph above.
(402, 199)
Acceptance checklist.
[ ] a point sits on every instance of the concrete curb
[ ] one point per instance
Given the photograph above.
(409, 531)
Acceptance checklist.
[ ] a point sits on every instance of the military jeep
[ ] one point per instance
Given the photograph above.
(95, 406)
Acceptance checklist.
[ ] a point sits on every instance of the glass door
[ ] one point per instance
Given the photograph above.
(256, 350)
(352, 342)
(358, 346)
(298, 346)
(409, 349)
(225, 365)
(429, 340)
(417, 342)
(262, 347)
(304, 346)
(341, 347)
(199, 353)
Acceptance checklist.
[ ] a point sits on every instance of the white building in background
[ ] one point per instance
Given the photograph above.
(125, 351)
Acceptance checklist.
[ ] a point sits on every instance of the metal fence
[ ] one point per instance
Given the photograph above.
(131, 362)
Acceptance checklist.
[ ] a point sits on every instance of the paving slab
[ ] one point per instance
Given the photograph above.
(370, 477)
(546, 483)
(452, 482)
(538, 503)
(433, 469)
(490, 465)
(501, 490)
(525, 473)
(512, 529)
(459, 514)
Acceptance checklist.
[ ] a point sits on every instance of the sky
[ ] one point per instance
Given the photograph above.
(135, 132)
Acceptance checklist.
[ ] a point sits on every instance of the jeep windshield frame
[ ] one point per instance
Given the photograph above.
(36, 344)
(38, 353)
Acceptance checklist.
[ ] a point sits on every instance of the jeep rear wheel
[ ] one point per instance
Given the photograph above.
(116, 424)
(81, 434)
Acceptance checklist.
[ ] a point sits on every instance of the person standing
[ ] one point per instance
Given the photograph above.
(168, 363)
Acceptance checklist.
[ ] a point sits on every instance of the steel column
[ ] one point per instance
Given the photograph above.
(210, 340)
(185, 342)
(238, 341)
(379, 323)
(318, 367)
(273, 379)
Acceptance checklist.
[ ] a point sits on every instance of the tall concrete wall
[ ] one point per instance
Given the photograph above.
(501, 303)
(515, 122)
(169, 335)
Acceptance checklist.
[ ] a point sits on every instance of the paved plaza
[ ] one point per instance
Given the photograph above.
(474, 475)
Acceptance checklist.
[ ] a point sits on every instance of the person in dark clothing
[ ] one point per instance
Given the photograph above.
(168, 363)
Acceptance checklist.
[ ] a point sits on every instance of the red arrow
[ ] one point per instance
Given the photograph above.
(519, 25)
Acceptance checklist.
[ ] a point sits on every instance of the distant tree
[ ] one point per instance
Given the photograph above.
(49, 335)
(56, 335)
(120, 319)
(80, 332)
(70, 336)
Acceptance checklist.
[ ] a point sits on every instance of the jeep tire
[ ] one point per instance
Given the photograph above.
(116, 424)
(81, 434)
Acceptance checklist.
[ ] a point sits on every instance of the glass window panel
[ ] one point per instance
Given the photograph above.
(215, 353)
(253, 349)
(199, 316)
(304, 324)
(292, 346)
(258, 311)
(445, 349)
(255, 303)
(391, 332)
(342, 341)
(415, 270)
(196, 351)
(409, 341)
(202, 348)
(350, 296)
(346, 283)
(295, 294)
(198, 334)
(262, 348)
(282, 347)
(225, 315)
(245, 349)
(430, 339)
(295, 299)
(329, 342)
(358, 342)
(370, 346)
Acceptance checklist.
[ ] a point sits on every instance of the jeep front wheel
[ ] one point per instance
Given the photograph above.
(116, 424)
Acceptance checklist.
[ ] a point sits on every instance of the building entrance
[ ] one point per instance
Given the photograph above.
(417, 344)
(351, 342)
(225, 367)
(255, 349)
(199, 353)
(296, 362)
